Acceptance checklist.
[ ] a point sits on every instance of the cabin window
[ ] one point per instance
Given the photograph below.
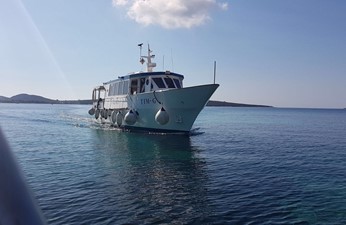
(120, 88)
(102, 93)
(177, 83)
(169, 82)
(126, 87)
(111, 89)
(115, 88)
(134, 85)
(159, 82)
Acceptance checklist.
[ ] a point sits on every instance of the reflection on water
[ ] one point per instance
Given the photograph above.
(156, 179)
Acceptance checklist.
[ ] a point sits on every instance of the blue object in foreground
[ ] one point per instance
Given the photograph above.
(17, 205)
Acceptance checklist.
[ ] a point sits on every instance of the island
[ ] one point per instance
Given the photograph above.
(26, 98)
(232, 104)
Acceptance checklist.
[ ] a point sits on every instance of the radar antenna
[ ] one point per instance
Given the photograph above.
(150, 65)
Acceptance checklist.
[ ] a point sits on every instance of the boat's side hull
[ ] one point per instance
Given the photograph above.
(181, 105)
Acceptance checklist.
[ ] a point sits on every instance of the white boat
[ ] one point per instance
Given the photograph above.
(150, 101)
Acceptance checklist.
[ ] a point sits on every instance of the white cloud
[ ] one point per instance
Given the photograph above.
(223, 5)
(170, 14)
(120, 2)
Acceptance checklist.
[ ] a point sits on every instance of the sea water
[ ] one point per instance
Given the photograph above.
(243, 166)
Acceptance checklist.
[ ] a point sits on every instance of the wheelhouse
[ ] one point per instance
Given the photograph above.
(143, 82)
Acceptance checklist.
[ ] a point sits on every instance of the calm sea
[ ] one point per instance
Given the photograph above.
(245, 166)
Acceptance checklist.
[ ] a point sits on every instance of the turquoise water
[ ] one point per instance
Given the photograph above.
(246, 166)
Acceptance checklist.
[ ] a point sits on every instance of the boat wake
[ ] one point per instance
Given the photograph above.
(195, 132)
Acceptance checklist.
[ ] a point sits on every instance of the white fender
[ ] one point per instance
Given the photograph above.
(162, 116)
(113, 117)
(119, 118)
(104, 113)
(91, 111)
(97, 114)
(130, 117)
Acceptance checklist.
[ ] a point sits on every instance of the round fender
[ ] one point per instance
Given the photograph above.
(162, 116)
(119, 118)
(113, 117)
(97, 114)
(91, 111)
(130, 117)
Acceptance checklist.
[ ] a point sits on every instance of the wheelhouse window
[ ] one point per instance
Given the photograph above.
(159, 82)
(134, 86)
(177, 83)
(141, 85)
(169, 82)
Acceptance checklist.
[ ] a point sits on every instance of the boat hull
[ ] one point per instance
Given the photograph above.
(181, 106)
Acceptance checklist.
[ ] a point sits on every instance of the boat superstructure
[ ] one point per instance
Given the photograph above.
(150, 101)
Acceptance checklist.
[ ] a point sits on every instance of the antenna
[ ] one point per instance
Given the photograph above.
(214, 71)
(172, 60)
(163, 62)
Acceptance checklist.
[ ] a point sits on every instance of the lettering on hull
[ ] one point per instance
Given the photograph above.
(147, 101)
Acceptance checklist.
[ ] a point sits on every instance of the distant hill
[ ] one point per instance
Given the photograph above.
(26, 98)
(232, 104)
(4, 99)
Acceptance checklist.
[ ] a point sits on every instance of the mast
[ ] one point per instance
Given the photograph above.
(150, 65)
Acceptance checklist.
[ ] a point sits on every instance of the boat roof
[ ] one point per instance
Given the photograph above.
(145, 74)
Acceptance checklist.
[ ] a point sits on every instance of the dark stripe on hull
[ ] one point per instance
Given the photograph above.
(153, 130)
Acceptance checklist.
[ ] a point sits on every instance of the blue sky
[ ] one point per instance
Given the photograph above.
(287, 53)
